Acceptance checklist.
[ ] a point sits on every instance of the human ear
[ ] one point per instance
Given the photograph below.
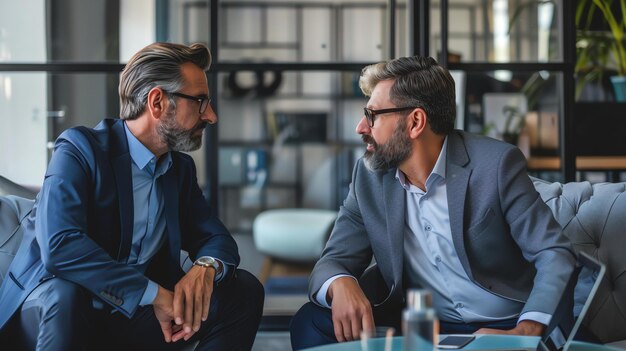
(157, 102)
(417, 121)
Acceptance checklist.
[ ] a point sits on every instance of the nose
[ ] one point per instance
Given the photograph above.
(363, 127)
(209, 115)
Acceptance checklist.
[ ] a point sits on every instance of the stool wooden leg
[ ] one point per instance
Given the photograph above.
(266, 269)
(285, 269)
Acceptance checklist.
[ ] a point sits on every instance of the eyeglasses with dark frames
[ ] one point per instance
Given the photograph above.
(370, 114)
(203, 101)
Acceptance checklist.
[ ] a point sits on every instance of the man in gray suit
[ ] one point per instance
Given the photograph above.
(437, 208)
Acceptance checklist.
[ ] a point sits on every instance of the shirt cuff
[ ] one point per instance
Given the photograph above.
(539, 317)
(150, 294)
(224, 273)
(320, 297)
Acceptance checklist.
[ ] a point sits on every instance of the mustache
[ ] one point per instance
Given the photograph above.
(368, 139)
(200, 126)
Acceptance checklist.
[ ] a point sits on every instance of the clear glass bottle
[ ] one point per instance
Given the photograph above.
(420, 325)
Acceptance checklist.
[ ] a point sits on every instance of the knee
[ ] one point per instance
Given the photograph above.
(247, 284)
(312, 325)
(55, 314)
(242, 292)
(59, 295)
(303, 320)
(56, 301)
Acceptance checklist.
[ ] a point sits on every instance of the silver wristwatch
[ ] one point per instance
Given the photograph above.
(207, 261)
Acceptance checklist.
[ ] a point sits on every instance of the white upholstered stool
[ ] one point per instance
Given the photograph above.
(294, 236)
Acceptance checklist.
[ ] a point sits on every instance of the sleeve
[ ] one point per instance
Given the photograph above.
(320, 297)
(539, 317)
(348, 250)
(150, 294)
(536, 232)
(203, 233)
(61, 230)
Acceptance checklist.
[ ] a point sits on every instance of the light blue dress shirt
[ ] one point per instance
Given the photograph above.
(431, 260)
(149, 226)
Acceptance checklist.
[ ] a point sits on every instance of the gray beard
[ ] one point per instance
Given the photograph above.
(176, 137)
(391, 154)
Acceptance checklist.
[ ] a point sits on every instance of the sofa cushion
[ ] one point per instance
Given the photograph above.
(593, 217)
(8, 187)
(293, 234)
(13, 210)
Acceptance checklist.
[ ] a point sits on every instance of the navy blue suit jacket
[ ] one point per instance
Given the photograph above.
(81, 226)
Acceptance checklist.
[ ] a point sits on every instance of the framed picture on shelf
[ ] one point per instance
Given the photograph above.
(297, 127)
(504, 113)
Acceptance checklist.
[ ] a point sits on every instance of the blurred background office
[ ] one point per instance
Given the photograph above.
(284, 83)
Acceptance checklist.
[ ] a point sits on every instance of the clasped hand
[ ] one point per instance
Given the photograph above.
(180, 312)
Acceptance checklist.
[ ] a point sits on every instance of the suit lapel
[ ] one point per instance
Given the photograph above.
(123, 181)
(393, 195)
(457, 180)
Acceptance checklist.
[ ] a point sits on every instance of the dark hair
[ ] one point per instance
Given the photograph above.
(156, 65)
(419, 81)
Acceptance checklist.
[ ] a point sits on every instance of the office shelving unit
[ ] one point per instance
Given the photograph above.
(403, 27)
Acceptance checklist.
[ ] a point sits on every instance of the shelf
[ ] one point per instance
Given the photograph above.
(295, 96)
(270, 144)
(583, 163)
(239, 186)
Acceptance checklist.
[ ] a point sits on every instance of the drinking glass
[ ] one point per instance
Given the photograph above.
(377, 339)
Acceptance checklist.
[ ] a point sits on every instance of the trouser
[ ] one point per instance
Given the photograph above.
(58, 315)
(312, 325)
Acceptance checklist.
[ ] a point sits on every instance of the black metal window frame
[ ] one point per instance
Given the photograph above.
(419, 24)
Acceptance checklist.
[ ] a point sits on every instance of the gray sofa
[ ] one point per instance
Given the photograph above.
(15, 204)
(592, 216)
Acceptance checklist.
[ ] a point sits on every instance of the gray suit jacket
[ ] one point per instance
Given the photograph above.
(505, 236)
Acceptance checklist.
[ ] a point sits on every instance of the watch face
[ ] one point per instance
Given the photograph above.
(206, 261)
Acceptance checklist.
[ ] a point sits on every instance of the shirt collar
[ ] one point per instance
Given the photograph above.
(439, 169)
(440, 165)
(139, 153)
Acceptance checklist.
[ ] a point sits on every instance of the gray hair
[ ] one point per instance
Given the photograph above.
(419, 81)
(156, 65)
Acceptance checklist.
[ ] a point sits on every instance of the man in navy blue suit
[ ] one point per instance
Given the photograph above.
(99, 265)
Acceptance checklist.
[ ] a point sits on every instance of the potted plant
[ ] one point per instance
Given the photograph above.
(599, 52)
(513, 125)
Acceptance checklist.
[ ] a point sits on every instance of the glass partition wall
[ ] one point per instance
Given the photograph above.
(285, 82)
(287, 136)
